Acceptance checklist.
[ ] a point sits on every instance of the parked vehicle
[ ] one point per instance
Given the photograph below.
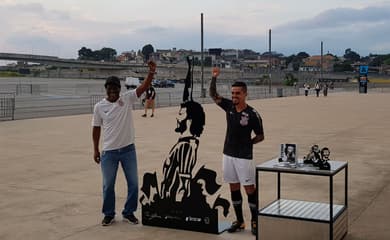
(163, 84)
(132, 82)
(156, 83)
(167, 84)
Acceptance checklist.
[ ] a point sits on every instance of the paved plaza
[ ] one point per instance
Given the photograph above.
(50, 187)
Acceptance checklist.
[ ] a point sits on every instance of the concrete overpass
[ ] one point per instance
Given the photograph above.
(71, 63)
(72, 68)
(76, 68)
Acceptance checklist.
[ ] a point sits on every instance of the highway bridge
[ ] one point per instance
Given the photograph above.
(71, 63)
(73, 68)
(170, 71)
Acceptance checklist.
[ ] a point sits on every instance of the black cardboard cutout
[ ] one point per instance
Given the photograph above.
(181, 200)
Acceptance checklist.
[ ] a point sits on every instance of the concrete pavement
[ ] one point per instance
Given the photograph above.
(50, 187)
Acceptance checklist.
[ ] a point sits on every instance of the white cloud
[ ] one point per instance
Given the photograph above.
(54, 28)
(341, 28)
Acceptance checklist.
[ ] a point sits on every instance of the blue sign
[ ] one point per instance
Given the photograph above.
(363, 69)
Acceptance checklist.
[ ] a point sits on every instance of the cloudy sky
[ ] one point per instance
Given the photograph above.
(62, 27)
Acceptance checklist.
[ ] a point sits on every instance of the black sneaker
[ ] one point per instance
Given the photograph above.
(144, 115)
(253, 227)
(236, 227)
(107, 221)
(152, 115)
(130, 219)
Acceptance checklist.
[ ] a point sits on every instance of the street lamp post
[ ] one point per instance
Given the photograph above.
(269, 63)
(203, 91)
(322, 60)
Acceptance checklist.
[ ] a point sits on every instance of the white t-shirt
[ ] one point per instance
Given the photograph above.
(116, 119)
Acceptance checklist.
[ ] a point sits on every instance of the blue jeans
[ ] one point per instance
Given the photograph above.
(109, 164)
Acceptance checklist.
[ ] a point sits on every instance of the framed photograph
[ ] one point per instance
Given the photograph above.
(288, 153)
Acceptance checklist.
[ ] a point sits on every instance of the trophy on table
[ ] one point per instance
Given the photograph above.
(314, 156)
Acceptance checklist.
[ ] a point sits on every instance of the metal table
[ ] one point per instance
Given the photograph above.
(325, 213)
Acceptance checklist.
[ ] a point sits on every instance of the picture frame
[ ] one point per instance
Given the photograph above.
(288, 153)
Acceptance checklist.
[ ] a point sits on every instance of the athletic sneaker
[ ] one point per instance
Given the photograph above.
(144, 115)
(253, 227)
(130, 219)
(152, 115)
(236, 227)
(107, 221)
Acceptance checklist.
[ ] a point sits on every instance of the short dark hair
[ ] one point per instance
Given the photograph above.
(324, 149)
(240, 84)
(113, 81)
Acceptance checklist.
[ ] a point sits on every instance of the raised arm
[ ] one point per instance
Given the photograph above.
(148, 80)
(213, 86)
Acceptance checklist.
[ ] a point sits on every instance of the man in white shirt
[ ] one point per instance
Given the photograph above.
(114, 115)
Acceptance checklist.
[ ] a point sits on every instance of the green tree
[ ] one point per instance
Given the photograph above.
(387, 61)
(85, 54)
(289, 79)
(351, 55)
(342, 67)
(107, 54)
(147, 50)
(379, 60)
(303, 55)
(208, 61)
(289, 59)
(296, 60)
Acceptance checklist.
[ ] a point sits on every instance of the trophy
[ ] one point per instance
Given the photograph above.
(314, 156)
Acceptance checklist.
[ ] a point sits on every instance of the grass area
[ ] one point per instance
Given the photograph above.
(10, 74)
(379, 80)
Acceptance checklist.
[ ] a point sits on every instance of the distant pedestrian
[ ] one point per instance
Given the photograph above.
(325, 90)
(307, 88)
(317, 87)
(149, 100)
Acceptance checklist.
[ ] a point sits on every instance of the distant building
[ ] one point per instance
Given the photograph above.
(126, 56)
(313, 64)
(275, 58)
(230, 53)
(255, 64)
(215, 51)
(385, 69)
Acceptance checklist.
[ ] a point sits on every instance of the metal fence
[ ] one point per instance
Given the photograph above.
(168, 99)
(7, 106)
(24, 89)
(64, 101)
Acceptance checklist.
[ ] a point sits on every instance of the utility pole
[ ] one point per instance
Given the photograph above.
(269, 63)
(203, 91)
(322, 60)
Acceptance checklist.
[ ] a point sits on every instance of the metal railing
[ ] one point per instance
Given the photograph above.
(65, 101)
(7, 106)
(168, 99)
